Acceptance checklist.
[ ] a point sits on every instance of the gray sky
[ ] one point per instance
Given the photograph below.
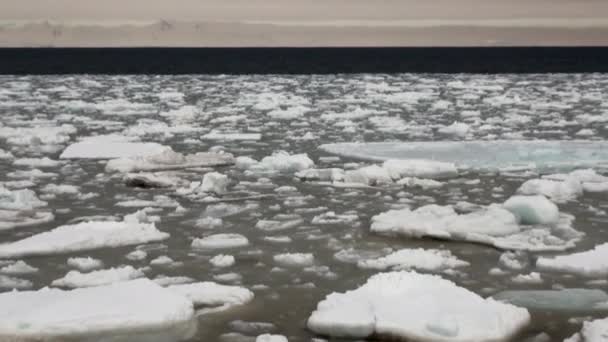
(303, 22)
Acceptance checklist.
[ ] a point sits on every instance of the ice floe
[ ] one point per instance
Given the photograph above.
(217, 241)
(212, 294)
(533, 209)
(133, 229)
(294, 259)
(418, 259)
(485, 155)
(75, 279)
(593, 331)
(419, 307)
(87, 313)
(110, 147)
(492, 225)
(167, 159)
(591, 263)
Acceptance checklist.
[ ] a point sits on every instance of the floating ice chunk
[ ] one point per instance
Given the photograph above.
(60, 189)
(8, 282)
(217, 135)
(134, 229)
(10, 219)
(513, 260)
(37, 162)
(184, 113)
(413, 306)
(271, 338)
(162, 260)
(167, 159)
(17, 268)
(102, 149)
(251, 328)
(84, 314)
(6, 155)
(277, 225)
(331, 217)
(492, 225)
(284, 162)
(85, 264)
(214, 182)
(532, 278)
(125, 107)
(294, 259)
(420, 168)
(160, 201)
(543, 155)
(591, 263)
(212, 294)
(222, 260)
(324, 175)
(419, 182)
(368, 175)
(556, 300)
(38, 136)
(220, 241)
(151, 180)
(533, 209)
(75, 279)
(288, 113)
(24, 199)
(559, 191)
(137, 255)
(458, 129)
(419, 259)
(594, 331)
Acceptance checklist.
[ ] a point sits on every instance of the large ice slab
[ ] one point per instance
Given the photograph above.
(134, 229)
(212, 294)
(591, 263)
(492, 225)
(167, 159)
(83, 314)
(583, 300)
(109, 147)
(593, 331)
(484, 155)
(417, 307)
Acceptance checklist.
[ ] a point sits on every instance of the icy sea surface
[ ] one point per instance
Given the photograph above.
(284, 223)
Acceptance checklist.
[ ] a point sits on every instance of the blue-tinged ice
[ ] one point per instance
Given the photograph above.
(542, 155)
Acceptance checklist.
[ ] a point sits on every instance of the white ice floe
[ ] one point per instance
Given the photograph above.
(492, 225)
(217, 241)
(582, 300)
(592, 331)
(413, 306)
(167, 159)
(18, 208)
(85, 264)
(591, 263)
(14, 283)
(83, 314)
(531, 278)
(212, 294)
(294, 259)
(40, 135)
(134, 229)
(112, 147)
(152, 180)
(485, 155)
(419, 259)
(557, 190)
(36, 162)
(18, 267)
(222, 260)
(75, 279)
(283, 162)
(231, 136)
(533, 209)
(214, 182)
(289, 113)
(271, 338)
(458, 129)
